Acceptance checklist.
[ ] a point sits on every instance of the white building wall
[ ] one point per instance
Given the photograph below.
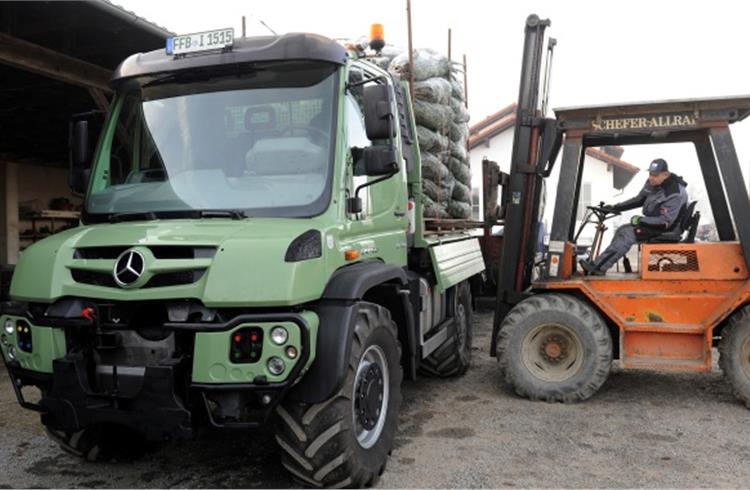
(499, 150)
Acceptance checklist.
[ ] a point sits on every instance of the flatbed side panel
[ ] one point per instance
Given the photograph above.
(456, 261)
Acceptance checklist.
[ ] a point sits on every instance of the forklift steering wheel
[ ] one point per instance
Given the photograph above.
(605, 211)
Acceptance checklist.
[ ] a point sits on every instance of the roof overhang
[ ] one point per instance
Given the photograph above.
(293, 46)
(56, 59)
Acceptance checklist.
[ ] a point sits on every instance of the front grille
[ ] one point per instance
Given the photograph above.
(180, 252)
(165, 252)
(94, 278)
(98, 252)
(106, 279)
(175, 278)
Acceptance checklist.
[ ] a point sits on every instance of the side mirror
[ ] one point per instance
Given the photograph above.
(378, 160)
(374, 161)
(379, 116)
(81, 150)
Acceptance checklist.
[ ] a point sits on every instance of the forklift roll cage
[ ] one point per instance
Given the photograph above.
(704, 123)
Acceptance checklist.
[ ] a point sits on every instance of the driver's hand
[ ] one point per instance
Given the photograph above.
(609, 208)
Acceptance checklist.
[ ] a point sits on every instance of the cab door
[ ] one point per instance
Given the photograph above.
(379, 230)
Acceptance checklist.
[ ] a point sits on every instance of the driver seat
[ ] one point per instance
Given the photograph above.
(687, 220)
(260, 123)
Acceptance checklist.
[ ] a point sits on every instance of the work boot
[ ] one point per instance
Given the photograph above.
(590, 268)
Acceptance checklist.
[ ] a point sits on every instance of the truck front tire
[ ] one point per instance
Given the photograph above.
(554, 347)
(345, 441)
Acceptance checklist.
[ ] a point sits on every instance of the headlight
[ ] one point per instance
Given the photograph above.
(279, 335)
(291, 352)
(308, 245)
(9, 327)
(276, 365)
(12, 353)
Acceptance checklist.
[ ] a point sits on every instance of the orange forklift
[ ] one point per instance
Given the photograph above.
(557, 331)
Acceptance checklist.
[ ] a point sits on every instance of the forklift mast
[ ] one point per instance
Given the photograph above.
(535, 143)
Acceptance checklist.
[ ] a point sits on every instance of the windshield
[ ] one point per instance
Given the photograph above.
(257, 140)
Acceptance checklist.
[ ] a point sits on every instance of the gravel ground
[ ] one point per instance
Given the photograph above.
(641, 430)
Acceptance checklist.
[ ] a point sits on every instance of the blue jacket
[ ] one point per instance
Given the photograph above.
(661, 204)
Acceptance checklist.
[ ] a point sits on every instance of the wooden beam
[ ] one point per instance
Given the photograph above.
(52, 64)
(100, 99)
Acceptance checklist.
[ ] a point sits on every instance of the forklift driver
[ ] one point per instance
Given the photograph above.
(662, 198)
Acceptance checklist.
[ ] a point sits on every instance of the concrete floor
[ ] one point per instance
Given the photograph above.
(641, 430)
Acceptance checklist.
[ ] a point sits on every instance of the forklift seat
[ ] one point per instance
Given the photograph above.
(687, 220)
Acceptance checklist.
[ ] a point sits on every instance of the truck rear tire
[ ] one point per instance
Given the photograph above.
(554, 347)
(453, 357)
(734, 354)
(345, 441)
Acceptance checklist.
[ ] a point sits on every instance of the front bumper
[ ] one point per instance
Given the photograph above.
(167, 400)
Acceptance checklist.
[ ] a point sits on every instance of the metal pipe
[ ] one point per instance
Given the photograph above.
(411, 50)
(449, 46)
(466, 85)
(547, 74)
(244, 31)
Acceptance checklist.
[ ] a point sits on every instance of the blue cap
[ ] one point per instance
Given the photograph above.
(658, 166)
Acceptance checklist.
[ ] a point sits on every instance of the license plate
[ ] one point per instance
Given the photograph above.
(200, 41)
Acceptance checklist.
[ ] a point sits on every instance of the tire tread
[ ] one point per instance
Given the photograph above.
(575, 307)
(732, 372)
(315, 438)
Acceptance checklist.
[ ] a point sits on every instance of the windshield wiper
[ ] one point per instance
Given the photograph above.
(222, 213)
(134, 216)
(204, 213)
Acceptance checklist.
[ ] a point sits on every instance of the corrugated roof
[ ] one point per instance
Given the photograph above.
(134, 18)
(492, 125)
(493, 118)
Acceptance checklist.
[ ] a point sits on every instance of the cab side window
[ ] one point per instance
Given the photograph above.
(373, 200)
(356, 133)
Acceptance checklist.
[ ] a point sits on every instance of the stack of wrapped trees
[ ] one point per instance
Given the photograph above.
(442, 131)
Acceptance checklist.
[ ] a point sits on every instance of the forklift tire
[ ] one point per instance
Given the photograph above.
(453, 357)
(345, 441)
(555, 348)
(734, 354)
(102, 443)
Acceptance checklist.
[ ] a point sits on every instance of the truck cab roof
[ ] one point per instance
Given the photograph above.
(292, 46)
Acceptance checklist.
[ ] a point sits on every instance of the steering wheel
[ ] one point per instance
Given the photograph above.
(603, 211)
(310, 130)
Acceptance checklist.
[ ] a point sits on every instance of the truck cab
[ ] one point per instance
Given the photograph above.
(251, 251)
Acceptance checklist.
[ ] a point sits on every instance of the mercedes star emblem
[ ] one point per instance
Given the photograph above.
(129, 267)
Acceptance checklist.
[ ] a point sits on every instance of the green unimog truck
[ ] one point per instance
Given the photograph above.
(251, 251)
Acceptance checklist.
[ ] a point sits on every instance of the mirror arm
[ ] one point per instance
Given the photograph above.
(366, 184)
